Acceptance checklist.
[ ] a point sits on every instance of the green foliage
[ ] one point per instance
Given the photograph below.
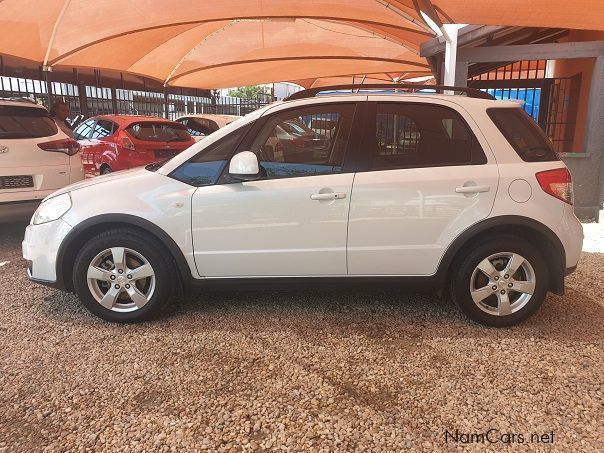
(249, 92)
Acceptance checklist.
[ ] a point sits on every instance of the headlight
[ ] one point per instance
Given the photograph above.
(52, 209)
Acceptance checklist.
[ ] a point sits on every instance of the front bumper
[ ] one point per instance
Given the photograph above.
(40, 249)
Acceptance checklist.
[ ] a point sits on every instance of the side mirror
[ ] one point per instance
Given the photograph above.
(244, 166)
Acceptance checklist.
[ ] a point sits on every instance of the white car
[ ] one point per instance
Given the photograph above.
(203, 124)
(36, 158)
(476, 201)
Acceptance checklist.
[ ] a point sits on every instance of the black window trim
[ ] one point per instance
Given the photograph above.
(364, 159)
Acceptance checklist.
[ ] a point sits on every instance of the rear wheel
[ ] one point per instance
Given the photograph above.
(500, 282)
(121, 278)
(105, 170)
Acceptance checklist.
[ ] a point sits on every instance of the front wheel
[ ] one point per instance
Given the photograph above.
(121, 278)
(501, 282)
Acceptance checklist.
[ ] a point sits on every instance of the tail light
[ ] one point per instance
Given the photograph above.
(557, 183)
(127, 143)
(68, 146)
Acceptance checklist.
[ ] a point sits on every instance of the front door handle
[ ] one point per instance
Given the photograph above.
(328, 196)
(472, 189)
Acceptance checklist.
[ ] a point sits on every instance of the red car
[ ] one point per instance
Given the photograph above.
(118, 142)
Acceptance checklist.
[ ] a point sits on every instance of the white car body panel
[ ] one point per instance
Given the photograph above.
(272, 227)
(140, 193)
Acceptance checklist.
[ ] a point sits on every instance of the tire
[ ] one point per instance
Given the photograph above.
(483, 298)
(142, 289)
(105, 170)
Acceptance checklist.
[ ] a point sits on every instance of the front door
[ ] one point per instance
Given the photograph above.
(293, 220)
(428, 176)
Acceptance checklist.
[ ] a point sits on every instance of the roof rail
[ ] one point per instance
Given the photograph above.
(411, 87)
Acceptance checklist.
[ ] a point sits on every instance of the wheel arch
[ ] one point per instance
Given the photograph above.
(94, 225)
(539, 234)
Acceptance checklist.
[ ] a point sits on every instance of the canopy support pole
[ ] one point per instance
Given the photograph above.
(450, 34)
(51, 41)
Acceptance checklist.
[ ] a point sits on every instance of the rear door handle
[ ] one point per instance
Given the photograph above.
(472, 189)
(328, 196)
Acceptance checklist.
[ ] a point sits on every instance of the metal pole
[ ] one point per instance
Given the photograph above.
(450, 35)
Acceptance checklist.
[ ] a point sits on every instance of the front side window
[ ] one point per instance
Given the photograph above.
(205, 168)
(421, 135)
(304, 142)
(83, 130)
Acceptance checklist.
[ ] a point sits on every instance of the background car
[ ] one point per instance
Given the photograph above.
(201, 125)
(119, 142)
(36, 158)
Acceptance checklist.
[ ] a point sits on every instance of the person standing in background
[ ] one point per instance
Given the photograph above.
(59, 112)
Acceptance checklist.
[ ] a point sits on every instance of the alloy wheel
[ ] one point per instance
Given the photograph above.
(121, 279)
(502, 283)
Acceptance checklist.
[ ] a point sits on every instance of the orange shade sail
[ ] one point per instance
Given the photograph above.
(228, 43)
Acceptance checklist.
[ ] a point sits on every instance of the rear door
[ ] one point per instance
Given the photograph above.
(26, 170)
(426, 175)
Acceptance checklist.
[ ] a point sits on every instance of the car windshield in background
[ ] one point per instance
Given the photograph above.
(25, 122)
(158, 132)
(525, 136)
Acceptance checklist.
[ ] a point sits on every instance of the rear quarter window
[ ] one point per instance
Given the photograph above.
(25, 122)
(523, 134)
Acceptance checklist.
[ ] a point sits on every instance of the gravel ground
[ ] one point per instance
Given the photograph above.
(370, 370)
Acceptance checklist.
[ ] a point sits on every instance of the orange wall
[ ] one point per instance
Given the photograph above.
(568, 68)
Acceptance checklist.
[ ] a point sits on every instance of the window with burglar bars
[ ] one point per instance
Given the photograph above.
(551, 102)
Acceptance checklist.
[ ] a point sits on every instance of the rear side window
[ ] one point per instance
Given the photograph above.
(159, 132)
(25, 122)
(103, 128)
(83, 130)
(525, 136)
(421, 135)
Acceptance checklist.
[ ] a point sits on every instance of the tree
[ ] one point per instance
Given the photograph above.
(249, 92)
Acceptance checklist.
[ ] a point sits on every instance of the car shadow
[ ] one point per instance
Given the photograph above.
(376, 313)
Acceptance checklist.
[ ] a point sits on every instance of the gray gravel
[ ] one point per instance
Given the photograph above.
(370, 370)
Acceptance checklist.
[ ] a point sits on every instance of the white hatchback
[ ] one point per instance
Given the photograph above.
(438, 191)
(36, 158)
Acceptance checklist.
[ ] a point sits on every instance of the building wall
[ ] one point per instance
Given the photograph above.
(587, 165)
(568, 68)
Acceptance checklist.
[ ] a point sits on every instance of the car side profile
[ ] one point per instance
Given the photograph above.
(437, 190)
(36, 158)
(120, 142)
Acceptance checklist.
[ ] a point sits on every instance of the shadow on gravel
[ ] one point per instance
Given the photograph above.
(376, 314)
